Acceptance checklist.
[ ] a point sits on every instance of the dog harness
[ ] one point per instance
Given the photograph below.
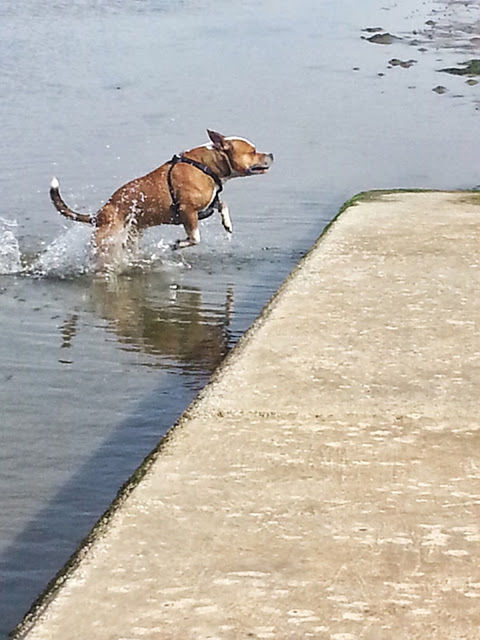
(175, 206)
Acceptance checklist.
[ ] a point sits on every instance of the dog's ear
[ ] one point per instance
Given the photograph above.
(219, 141)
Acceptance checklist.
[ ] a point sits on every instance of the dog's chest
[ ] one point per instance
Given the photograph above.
(209, 209)
(215, 192)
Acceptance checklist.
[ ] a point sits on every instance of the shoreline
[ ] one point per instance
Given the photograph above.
(316, 412)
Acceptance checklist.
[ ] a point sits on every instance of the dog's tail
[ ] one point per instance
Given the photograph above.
(63, 208)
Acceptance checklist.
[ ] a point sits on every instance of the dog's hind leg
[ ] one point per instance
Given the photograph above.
(110, 246)
(131, 241)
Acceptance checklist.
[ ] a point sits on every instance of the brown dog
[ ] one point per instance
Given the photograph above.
(182, 191)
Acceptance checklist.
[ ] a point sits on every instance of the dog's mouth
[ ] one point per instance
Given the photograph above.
(257, 169)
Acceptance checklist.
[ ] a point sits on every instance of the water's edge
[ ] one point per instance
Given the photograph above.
(48, 594)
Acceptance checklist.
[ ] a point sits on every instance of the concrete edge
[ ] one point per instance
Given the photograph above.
(42, 602)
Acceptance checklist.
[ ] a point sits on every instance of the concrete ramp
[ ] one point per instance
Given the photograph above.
(326, 483)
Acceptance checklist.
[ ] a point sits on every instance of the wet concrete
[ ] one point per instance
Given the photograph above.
(326, 483)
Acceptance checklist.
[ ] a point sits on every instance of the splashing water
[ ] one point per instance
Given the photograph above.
(73, 254)
(67, 256)
(10, 258)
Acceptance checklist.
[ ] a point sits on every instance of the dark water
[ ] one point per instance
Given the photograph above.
(93, 371)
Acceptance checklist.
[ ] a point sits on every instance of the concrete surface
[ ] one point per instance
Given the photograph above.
(326, 484)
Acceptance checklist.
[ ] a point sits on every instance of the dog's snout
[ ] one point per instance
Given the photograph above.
(270, 155)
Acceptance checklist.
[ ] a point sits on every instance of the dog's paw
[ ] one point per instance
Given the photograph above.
(182, 244)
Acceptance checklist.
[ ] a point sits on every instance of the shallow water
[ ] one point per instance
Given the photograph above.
(94, 370)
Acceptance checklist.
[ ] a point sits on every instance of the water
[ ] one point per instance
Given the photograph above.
(94, 370)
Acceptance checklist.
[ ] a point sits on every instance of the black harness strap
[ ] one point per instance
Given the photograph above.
(201, 167)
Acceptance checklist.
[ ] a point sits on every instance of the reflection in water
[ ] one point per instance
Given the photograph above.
(174, 326)
(170, 327)
(69, 330)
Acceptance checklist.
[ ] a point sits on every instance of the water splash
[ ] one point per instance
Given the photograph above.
(157, 254)
(73, 254)
(67, 256)
(10, 257)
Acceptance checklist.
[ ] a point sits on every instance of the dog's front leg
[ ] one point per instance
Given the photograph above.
(190, 224)
(225, 215)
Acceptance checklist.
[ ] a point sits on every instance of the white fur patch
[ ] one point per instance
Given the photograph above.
(54, 183)
(226, 220)
(242, 140)
(196, 236)
(214, 195)
(210, 145)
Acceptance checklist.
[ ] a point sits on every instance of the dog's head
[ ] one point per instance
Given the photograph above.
(242, 157)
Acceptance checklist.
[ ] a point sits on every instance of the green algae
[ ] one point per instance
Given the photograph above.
(468, 68)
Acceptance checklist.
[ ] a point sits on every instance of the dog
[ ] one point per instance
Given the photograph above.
(184, 190)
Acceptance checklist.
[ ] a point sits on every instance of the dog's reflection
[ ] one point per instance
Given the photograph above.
(68, 330)
(152, 315)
